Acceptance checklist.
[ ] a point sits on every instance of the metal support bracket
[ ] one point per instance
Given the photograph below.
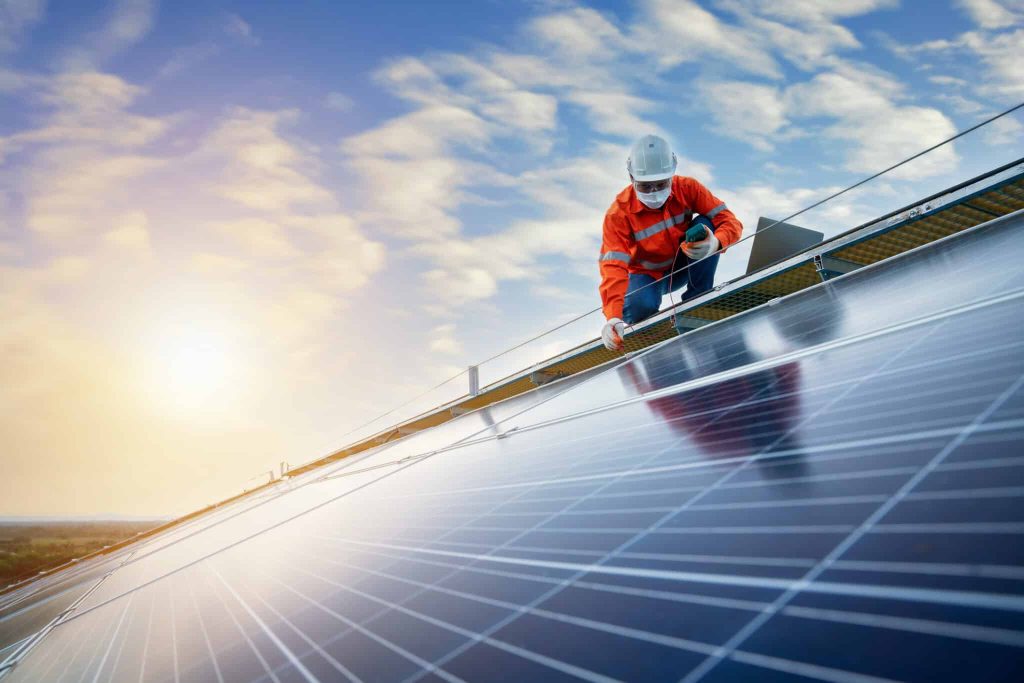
(829, 267)
(474, 380)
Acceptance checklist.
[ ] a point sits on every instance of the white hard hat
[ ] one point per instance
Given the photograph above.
(651, 159)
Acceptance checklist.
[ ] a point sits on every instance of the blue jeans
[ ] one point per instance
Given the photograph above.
(642, 301)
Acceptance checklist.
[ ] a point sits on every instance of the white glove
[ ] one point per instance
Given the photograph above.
(612, 333)
(706, 247)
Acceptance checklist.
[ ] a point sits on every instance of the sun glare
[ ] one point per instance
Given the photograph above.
(193, 366)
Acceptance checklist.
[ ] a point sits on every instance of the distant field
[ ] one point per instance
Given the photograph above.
(28, 548)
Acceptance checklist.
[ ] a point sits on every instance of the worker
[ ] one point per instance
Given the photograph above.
(662, 231)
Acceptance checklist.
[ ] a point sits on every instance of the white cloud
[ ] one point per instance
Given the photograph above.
(947, 81)
(746, 111)
(617, 114)
(1003, 54)
(90, 108)
(677, 31)
(881, 132)
(129, 22)
(1004, 132)
(580, 34)
(443, 340)
(961, 104)
(83, 158)
(992, 14)
(130, 232)
(816, 11)
(998, 46)
(266, 172)
(431, 131)
(239, 28)
(803, 33)
(461, 286)
(16, 18)
(188, 57)
(497, 98)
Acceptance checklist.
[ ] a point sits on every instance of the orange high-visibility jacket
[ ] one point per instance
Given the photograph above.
(642, 240)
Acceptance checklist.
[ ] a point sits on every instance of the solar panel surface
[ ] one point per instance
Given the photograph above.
(828, 488)
(29, 609)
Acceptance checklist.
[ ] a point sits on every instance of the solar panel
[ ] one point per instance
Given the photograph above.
(830, 487)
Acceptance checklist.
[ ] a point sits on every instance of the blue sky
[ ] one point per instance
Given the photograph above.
(229, 232)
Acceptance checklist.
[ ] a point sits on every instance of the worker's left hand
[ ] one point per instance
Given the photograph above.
(698, 250)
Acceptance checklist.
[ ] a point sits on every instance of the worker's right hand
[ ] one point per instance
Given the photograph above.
(612, 333)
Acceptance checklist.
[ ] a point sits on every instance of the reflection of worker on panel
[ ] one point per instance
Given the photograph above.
(735, 417)
(654, 241)
(750, 413)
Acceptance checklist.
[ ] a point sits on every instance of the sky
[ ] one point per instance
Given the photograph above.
(232, 232)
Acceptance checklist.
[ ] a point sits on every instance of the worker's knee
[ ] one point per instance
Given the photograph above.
(641, 305)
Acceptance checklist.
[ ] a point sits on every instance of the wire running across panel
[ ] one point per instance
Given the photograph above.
(851, 513)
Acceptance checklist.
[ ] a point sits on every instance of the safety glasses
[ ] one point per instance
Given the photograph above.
(651, 185)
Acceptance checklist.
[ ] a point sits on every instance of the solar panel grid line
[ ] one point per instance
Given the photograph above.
(801, 502)
(245, 635)
(951, 528)
(293, 660)
(174, 636)
(110, 643)
(56, 659)
(206, 634)
(1000, 571)
(813, 529)
(120, 648)
(821, 673)
(149, 631)
(1000, 492)
(998, 636)
(341, 668)
(90, 652)
(759, 621)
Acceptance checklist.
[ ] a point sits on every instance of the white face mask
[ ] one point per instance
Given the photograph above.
(654, 200)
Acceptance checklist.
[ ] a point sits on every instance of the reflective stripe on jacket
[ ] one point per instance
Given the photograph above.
(642, 240)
